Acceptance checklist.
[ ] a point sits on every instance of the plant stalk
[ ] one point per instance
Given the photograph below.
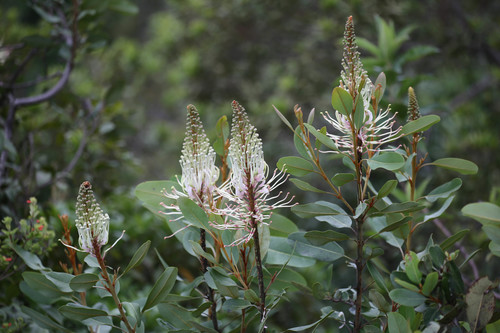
(260, 274)
(111, 286)
(210, 291)
(359, 235)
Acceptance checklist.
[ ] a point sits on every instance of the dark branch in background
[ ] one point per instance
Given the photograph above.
(30, 100)
(29, 84)
(91, 111)
(462, 249)
(473, 91)
(69, 41)
(13, 102)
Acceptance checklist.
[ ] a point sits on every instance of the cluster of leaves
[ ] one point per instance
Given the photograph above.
(30, 234)
(39, 58)
(425, 290)
(59, 299)
(385, 229)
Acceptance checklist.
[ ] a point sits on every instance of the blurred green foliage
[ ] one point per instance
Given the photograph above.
(134, 74)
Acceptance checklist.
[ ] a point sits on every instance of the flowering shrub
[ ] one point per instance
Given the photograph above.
(223, 210)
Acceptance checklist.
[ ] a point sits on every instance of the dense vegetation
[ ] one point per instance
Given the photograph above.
(97, 90)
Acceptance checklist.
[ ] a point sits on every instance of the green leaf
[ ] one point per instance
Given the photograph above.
(38, 296)
(493, 327)
(124, 7)
(176, 316)
(299, 144)
(138, 256)
(494, 248)
(379, 280)
(91, 261)
(47, 16)
(250, 295)
(313, 210)
(193, 213)
(60, 279)
(285, 279)
(310, 118)
(304, 186)
(439, 212)
(379, 300)
(406, 297)
(393, 225)
(43, 320)
(380, 85)
(319, 238)
(79, 312)
(419, 125)
(280, 252)
(407, 285)
(222, 128)
(281, 225)
(404, 207)
(445, 190)
(283, 119)
(323, 138)
(452, 240)
(342, 178)
(391, 161)
(83, 282)
(295, 165)
(431, 281)
(342, 101)
(411, 268)
(42, 284)
(315, 324)
(29, 258)
(218, 279)
(387, 188)
(437, 256)
(150, 193)
(457, 164)
(397, 323)
(328, 252)
(480, 304)
(233, 304)
(199, 251)
(359, 112)
(161, 288)
(486, 213)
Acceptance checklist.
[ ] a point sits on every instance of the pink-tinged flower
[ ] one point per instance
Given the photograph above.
(374, 132)
(248, 191)
(376, 126)
(199, 172)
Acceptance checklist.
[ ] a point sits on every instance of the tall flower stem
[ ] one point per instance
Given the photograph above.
(413, 114)
(210, 291)
(256, 241)
(360, 242)
(110, 285)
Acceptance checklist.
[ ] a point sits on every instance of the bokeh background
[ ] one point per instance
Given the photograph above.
(120, 118)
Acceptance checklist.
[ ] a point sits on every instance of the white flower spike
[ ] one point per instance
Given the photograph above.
(199, 173)
(376, 127)
(92, 223)
(249, 189)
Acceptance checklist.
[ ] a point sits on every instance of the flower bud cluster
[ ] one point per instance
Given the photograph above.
(248, 190)
(92, 223)
(376, 126)
(199, 172)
